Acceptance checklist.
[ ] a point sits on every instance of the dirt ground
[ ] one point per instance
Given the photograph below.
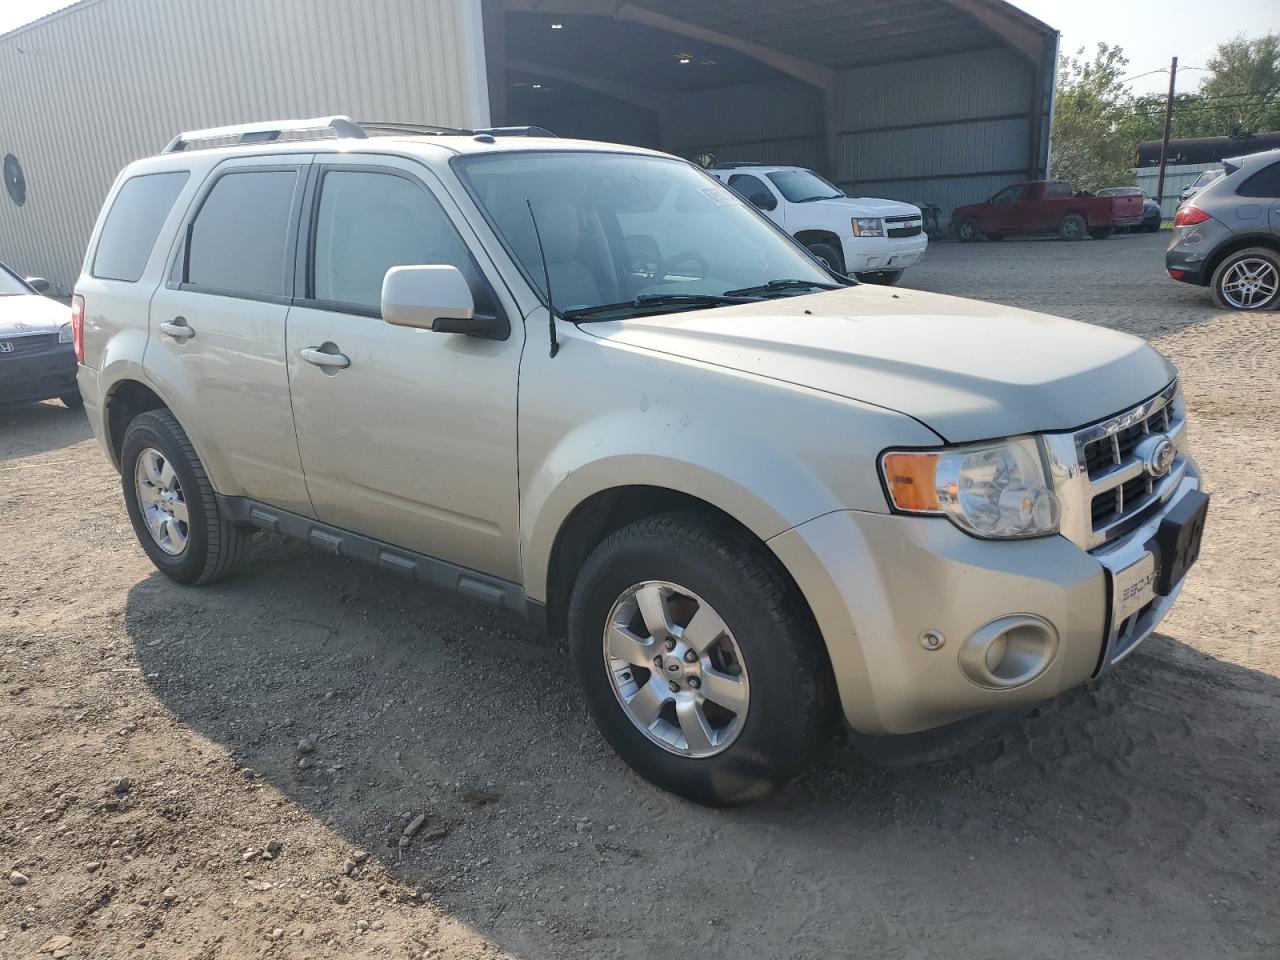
(273, 725)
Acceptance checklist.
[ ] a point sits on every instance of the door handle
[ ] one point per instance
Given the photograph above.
(178, 328)
(321, 358)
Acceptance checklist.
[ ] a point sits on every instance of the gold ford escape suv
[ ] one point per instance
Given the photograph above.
(589, 384)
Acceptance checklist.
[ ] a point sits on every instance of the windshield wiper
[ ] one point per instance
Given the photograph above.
(829, 196)
(691, 300)
(777, 286)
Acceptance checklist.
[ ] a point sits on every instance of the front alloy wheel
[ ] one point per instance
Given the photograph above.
(676, 669)
(698, 658)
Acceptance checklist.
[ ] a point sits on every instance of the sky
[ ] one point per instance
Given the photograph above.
(1150, 31)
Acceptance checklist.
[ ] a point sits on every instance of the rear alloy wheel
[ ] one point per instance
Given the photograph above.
(1248, 280)
(699, 662)
(1073, 227)
(967, 230)
(171, 503)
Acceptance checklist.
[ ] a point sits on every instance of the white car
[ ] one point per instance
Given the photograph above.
(873, 239)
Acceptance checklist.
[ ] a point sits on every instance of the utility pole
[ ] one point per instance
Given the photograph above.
(1168, 123)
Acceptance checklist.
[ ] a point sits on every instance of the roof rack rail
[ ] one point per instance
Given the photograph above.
(265, 132)
(530, 131)
(398, 126)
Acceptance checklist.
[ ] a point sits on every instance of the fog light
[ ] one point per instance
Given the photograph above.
(1009, 652)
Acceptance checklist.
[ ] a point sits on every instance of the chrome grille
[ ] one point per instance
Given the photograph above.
(1101, 475)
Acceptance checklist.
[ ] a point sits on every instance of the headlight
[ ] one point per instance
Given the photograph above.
(64, 333)
(996, 491)
(868, 227)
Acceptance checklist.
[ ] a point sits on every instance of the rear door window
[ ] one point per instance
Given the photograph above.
(1264, 184)
(129, 233)
(239, 241)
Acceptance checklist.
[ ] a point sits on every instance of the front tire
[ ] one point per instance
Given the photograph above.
(698, 660)
(885, 278)
(171, 503)
(830, 255)
(1248, 280)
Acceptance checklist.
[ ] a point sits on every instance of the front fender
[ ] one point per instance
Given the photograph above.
(770, 454)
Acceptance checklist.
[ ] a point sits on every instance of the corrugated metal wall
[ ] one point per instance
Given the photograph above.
(772, 122)
(90, 89)
(949, 130)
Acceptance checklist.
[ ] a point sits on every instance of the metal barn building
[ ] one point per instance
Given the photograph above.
(940, 101)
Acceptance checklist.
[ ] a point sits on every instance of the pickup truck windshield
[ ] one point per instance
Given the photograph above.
(803, 186)
(621, 229)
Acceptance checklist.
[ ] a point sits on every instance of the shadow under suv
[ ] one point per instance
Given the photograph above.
(1228, 239)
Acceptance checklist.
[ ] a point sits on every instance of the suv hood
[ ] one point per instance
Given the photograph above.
(27, 314)
(968, 370)
(873, 207)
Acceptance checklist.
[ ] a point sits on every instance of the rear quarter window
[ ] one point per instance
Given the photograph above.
(133, 224)
(1263, 184)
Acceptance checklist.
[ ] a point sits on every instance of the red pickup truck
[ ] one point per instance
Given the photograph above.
(1046, 206)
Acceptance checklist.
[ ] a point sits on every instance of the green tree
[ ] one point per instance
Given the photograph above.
(1242, 92)
(1094, 120)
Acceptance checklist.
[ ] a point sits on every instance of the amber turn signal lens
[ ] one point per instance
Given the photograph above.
(910, 479)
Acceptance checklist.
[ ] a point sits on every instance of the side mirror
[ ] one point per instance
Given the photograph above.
(38, 284)
(434, 297)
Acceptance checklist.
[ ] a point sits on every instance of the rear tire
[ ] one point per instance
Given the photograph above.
(767, 656)
(885, 278)
(830, 255)
(1248, 280)
(1073, 227)
(72, 401)
(967, 230)
(172, 505)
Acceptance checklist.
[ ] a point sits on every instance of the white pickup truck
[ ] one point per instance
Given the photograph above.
(873, 239)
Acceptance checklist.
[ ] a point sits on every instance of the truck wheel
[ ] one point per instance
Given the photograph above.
(72, 401)
(1247, 280)
(700, 664)
(884, 277)
(829, 255)
(967, 230)
(171, 503)
(1073, 227)
(1101, 233)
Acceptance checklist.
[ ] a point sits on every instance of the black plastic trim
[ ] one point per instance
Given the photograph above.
(493, 591)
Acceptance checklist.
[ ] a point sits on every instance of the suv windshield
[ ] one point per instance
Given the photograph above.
(635, 232)
(802, 186)
(10, 285)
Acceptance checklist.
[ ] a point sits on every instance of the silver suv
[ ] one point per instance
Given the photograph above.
(589, 384)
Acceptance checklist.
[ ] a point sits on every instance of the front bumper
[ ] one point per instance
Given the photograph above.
(873, 254)
(885, 588)
(37, 374)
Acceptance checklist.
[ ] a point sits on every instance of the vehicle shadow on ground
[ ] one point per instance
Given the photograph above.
(1077, 831)
(28, 429)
